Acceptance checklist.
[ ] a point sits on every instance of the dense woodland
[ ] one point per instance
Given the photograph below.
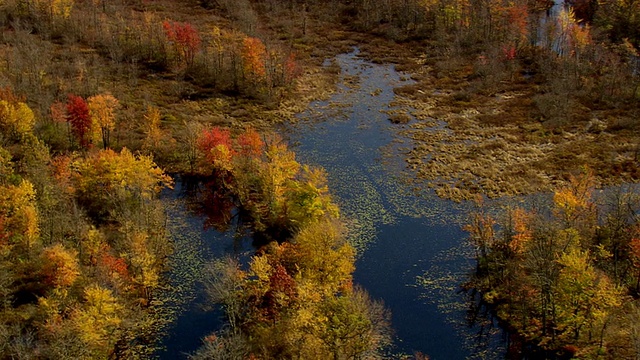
(564, 278)
(100, 98)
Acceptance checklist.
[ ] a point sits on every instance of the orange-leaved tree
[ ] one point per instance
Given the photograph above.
(254, 55)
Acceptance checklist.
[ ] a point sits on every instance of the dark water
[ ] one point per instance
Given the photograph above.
(411, 248)
(412, 252)
(184, 298)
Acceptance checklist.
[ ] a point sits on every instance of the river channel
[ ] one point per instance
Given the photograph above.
(412, 252)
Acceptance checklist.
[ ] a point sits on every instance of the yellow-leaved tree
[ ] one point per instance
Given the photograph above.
(98, 320)
(153, 132)
(102, 109)
(106, 180)
(19, 212)
(60, 266)
(16, 118)
(584, 300)
(144, 265)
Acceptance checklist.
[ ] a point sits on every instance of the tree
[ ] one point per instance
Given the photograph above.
(481, 230)
(585, 298)
(356, 327)
(573, 202)
(114, 268)
(522, 233)
(296, 301)
(254, 55)
(217, 147)
(98, 320)
(620, 20)
(153, 132)
(250, 143)
(308, 198)
(106, 180)
(16, 118)
(185, 39)
(224, 283)
(60, 266)
(145, 267)
(102, 109)
(19, 210)
(79, 118)
(190, 143)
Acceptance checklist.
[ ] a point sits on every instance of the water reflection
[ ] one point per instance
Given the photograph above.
(201, 231)
(412, 249)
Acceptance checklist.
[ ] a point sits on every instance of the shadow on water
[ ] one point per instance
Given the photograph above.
(196, 242)
(412, 252)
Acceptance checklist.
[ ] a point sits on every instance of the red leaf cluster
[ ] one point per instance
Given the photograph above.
(79, 118)
(282, 291)
(282, 282)
(211, 139)
(113, 265)
(184, 36)
(509, 52)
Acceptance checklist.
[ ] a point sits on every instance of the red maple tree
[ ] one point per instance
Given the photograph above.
(79, 118)
(185, 39)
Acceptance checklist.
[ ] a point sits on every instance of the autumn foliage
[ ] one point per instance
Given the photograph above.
(267, 182)
(560, 279)
(185, 39)
(217, 147)
(16, 118)
(298, 287)
(298, 292)
(254, 54)
(79, 118)
(103, 119)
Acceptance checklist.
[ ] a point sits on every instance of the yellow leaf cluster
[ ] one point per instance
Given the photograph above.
(152, 128)
(107, 173)
(324, 258)
(222, 155)
(280, 167)
(143, 262)
(18, 207)
(16, 118)
(62, 8)
(585, 296)
(60, 266)
(56, 9)
(91, 244)
(6, 165)
(99, 319)
(102, 109)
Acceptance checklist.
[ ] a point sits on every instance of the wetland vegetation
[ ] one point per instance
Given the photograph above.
(101, 100)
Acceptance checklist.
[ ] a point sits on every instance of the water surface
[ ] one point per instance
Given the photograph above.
(411, 249)
(412, 252)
